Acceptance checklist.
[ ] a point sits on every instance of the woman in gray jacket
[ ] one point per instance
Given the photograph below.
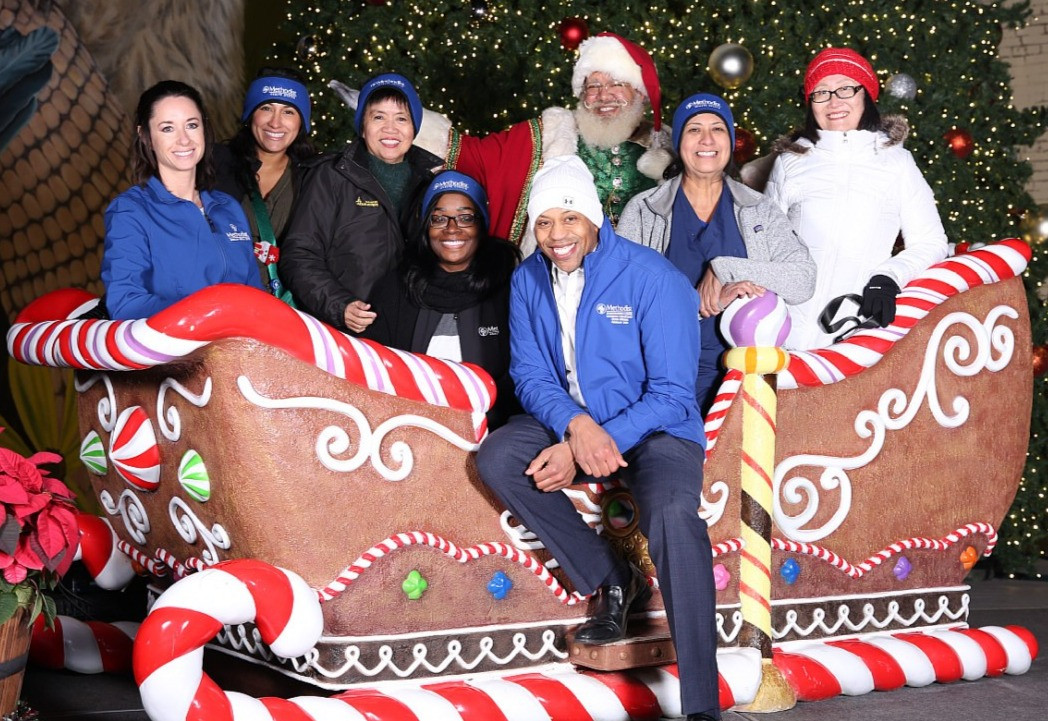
(729, 240)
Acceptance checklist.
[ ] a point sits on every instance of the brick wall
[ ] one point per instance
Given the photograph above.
(1026, 51)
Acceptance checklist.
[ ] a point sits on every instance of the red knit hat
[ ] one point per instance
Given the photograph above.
(623, 60)
(841, 61)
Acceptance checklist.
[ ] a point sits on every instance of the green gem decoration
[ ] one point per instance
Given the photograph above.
(93, 454)
(414, 585)
(192, 474)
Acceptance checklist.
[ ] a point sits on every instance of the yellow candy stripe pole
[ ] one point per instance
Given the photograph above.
(757, 466)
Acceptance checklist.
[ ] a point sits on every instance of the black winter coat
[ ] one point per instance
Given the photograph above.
(483, 335)
(345, 233)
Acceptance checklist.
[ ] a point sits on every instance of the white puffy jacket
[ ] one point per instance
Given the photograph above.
(849, 197)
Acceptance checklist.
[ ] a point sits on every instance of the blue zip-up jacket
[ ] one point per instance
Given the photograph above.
(160, 249)
(636, 341)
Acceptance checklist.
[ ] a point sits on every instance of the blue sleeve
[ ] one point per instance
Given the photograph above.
(669, 334)
(127, 264)
(540, 391)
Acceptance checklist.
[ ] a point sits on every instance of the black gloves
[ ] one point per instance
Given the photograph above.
(878, 300)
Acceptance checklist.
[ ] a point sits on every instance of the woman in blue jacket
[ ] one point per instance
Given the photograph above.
(169, 235)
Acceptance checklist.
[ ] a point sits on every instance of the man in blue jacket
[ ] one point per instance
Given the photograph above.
(604, 341)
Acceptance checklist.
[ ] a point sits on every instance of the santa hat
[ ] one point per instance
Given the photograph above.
(623, 60)
(841, 61)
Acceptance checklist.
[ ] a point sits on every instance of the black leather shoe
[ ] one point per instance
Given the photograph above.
(614, 604)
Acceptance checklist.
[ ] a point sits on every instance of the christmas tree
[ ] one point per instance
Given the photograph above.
(490, 63)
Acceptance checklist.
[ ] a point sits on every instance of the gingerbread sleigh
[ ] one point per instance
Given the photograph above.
(231, 437)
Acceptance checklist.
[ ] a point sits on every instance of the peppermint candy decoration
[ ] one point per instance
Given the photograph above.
(93, 454)
(193, 476)
(134, 451)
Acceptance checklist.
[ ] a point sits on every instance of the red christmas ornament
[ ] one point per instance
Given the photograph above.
(572, 32)
(961, 142)
(745, 146)
(1040, 359)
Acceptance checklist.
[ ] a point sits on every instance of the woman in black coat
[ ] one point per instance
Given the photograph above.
(450, 297)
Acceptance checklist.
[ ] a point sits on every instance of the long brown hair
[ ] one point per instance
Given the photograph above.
(143, 155)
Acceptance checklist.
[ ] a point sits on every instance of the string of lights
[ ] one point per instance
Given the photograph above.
(490, 63)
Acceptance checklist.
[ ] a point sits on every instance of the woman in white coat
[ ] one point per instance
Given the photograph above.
(850, 189)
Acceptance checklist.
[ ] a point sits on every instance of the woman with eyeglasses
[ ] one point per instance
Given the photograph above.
(450, 297)
(850, 189)
(729, 240)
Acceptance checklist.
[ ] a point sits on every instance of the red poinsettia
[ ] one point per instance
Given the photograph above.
(38, 528)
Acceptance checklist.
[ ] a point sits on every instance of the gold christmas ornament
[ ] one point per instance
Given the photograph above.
(730, 65)
(1033, 228)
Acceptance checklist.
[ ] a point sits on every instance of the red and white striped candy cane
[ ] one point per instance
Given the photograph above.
(84, 647)
(884, 662)
(109, 567)
(169, 649)
(236, 311)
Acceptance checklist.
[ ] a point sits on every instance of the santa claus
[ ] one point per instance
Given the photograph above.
(615, 82)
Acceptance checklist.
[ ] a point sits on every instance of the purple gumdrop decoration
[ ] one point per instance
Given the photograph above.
(902, 568)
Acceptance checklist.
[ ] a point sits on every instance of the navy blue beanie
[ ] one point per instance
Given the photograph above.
(452, 181)
(702, 103)
(275, 89)
(394, 82)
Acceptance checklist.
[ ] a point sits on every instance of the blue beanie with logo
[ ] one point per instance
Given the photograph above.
(275, 89)
(392, 81)
(452, 181)
(702, 103)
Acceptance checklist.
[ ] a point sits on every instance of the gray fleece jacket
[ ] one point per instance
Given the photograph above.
(776, 257)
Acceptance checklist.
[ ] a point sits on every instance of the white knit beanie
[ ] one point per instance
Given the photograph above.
(565, 182)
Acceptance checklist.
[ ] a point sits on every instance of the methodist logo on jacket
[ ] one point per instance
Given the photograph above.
(617, 314)
(236, 235)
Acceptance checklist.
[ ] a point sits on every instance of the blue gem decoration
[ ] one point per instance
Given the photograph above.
(499, 586)
(790, 571)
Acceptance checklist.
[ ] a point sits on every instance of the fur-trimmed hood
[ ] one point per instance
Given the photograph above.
(894, 128)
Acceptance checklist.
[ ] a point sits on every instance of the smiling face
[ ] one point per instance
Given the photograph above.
(275, 127)
(453, 245)
(705, 145)
(565, 237)
(605, 97)
(176, 132)
(837, 114)
(387, 130)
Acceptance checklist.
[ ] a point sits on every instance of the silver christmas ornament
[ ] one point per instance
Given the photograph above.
(901, 86)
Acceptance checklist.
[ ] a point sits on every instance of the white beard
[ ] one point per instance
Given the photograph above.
(608, 132)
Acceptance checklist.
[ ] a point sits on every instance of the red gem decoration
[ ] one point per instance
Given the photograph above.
(572, 32)
(961, 142)
(1040, 359)
(745, 146)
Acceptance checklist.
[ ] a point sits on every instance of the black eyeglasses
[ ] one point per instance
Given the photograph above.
(464, 220)
(844, 92)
